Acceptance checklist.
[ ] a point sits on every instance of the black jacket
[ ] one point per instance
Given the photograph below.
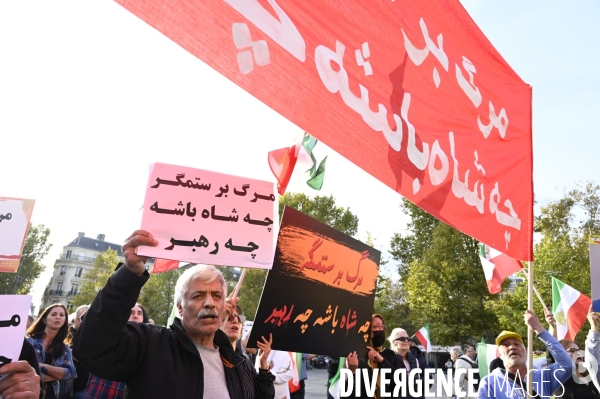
(390, 362)
(414, 363)
(154, 362)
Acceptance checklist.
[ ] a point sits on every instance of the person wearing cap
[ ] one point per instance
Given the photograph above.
(511, 382)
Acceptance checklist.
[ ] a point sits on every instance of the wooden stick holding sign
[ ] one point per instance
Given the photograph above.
(234, 294)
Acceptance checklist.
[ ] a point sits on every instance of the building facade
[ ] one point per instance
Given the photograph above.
(76, 259)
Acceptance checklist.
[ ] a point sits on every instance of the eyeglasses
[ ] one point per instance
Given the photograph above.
(402, 339)
(572, 350)
(240, 318)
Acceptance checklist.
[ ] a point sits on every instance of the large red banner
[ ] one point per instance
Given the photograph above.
(410, 91)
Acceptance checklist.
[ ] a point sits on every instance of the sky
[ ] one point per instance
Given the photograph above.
(90, 96)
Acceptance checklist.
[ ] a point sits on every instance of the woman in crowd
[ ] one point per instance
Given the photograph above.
(377, 357)
(263, 379)
(48, 336)
(400, 344)
(580, 386)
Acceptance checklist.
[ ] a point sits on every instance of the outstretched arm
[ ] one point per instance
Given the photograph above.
(106, 344)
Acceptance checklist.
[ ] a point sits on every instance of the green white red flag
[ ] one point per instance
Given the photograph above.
(485, 354)
(294, 383)
(570, 308)
(283, 161)
(424, 338)
(496, 267)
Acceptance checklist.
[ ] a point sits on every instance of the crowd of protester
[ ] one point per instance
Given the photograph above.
(113, 351)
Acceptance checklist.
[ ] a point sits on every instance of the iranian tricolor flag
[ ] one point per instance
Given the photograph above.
(496, 267)
(485, 354)
(570, 308)
(424, 338)
(283, 161)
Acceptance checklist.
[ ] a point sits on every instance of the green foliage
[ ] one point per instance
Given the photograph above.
(96, 278)
(251, 290)
(30, 266)
(157, 295)
(390, 302)
(565, 226)
(323, 209)
(442, 280)
(411, 247)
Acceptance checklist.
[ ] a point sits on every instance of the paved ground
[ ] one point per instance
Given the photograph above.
(315, 384)
(316, 387)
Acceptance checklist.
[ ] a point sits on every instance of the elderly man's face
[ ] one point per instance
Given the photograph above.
(512, 352)
(203, 308)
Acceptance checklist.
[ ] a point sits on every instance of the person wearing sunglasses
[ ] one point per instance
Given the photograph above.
(400, 344)
(580, 384)
(232, 327)
(377, 357)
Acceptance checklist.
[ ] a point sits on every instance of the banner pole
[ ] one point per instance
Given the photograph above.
(525, 273)
(239, 283)
(529, 330)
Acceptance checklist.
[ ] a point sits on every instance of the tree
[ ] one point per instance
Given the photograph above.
(96, 278)
(441, 275)
(390, 302)
(322, 209)
(319, 208)
(157, 295)
(30, 266)
(251, 291)
(562, 252)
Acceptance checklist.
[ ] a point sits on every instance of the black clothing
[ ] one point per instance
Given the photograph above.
(28, 354)
(496, 363)
(154, 362)
(390, 361)
(418, 354)
(414, 364)
(574, 390)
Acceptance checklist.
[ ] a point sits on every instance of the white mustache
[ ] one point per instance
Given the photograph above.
(207, 313)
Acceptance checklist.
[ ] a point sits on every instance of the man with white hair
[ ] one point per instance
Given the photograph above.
(192, 359)
(461, 361)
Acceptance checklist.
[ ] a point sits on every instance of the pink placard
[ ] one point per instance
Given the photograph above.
(15, 214)
(200, 216)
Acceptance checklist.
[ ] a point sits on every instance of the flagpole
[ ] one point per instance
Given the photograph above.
(239, 283)
(529, 330)
(535, 290)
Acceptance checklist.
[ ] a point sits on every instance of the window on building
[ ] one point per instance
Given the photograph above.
(81, 256)
(78, 271)
(74, 289)
(63, 270)
(59, 286)
(68, 255)
(69, 306)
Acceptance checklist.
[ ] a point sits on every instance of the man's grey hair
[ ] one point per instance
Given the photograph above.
(205, 273)
(80, 309)
(457, 351)
(394, 334)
